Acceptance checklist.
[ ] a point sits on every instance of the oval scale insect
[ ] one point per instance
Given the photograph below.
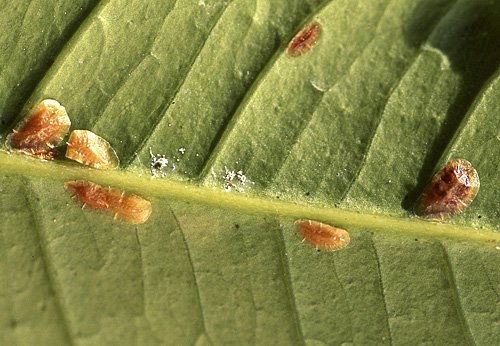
(323, 236)
(41, 131)
(304, 40)
(127, 207)
(451, 190)
(92, 150)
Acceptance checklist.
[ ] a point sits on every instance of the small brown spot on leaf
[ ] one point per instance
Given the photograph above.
(323, 236)
(304, 40)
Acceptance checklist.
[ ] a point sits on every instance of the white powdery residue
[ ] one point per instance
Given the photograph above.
(241, 177)
(157, 164)
(228, 175)
(236, 180)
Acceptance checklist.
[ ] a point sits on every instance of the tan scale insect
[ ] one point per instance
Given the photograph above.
(41, 131)
(125, 206)
(92, 150)
(304, 40)
(451, 191)
(323, 236)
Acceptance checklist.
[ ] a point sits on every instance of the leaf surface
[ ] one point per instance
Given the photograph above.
(348, 133)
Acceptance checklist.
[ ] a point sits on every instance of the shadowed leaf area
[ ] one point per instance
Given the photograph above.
(347, 133)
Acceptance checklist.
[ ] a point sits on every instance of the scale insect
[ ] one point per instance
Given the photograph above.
(125, 206)
(323, 236)
(450, 192)
(41, 131)
(304, 40)
(92, 150)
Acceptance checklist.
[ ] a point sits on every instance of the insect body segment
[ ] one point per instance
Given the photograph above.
(43, 129)
(323, 236)
(127, 207)
(451, 190)
(89, 149)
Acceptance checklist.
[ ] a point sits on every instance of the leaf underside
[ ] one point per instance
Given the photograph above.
(348, 133)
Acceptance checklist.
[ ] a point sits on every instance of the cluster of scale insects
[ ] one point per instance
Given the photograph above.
(43, 131)
(451, 190)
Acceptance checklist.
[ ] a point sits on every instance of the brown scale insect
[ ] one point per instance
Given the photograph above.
(127, 207)
(304, 40)
(323, 236)
(451, 190)
(89, 149)
(41, 131)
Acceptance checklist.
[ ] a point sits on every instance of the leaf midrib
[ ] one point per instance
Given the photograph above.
(141, 183)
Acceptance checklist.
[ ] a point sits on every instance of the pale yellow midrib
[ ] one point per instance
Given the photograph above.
(144, 185)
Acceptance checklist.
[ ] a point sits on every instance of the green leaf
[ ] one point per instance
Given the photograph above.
(348, 133)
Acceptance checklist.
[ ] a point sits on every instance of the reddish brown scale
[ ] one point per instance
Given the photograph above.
(451, 190)
(128, 207)
(323, 236)
(89, 149)
(304, 40)
(43, 129)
